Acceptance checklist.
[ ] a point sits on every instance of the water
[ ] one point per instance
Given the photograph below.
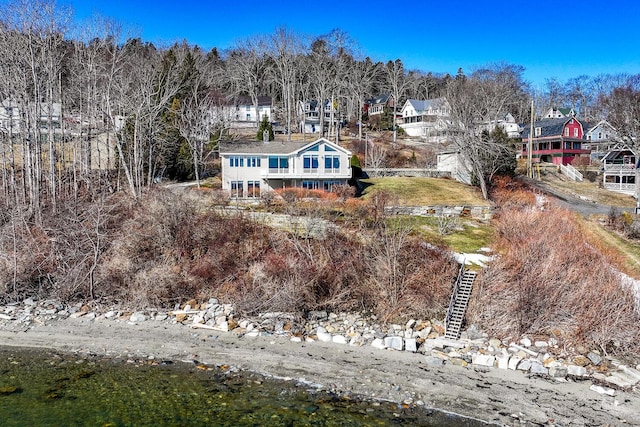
(45, 388)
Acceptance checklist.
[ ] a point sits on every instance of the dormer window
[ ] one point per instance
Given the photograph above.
(538, 131)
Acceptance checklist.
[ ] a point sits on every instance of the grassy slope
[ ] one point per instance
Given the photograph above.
(467, 236)
(471, 235)
(426, 191)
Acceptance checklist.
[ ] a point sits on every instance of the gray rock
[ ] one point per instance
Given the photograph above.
(483, 360)
(137, 317)
(558, 371)
(595, 358)
(395, 343)
(524, 365)
(410, 345)
(576, 371)
(538, 368)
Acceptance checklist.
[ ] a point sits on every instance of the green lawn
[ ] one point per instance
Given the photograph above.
(426, 191)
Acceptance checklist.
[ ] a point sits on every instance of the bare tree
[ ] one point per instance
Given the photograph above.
(396, 83)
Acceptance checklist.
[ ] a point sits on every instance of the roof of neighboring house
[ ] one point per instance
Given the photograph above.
(272, 147)
(617, 150)
(380, 99)
(548, 127)
(424, 105)
(263, 101)
(602, 123)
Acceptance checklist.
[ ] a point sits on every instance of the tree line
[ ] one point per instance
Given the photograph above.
(154, 102)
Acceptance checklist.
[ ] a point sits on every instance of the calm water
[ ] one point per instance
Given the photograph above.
(43, 388)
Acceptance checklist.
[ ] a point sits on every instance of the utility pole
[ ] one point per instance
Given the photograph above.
(530, 145)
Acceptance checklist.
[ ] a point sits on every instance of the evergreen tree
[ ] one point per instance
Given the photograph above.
(265, 125)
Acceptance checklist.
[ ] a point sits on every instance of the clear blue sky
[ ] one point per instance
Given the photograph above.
(551, 39)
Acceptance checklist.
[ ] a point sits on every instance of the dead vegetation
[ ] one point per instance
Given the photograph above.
(549, 279)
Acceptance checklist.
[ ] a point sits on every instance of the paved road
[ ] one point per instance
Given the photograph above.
(582, 206)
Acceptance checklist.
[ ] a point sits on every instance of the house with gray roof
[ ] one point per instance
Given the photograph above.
(252, 168)
(429, 118)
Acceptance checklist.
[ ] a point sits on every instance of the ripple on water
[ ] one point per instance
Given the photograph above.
(46, 388)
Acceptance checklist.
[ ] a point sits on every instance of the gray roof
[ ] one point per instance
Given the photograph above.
(272, 147)
(422, 105)
(259, 147)
(548, 127)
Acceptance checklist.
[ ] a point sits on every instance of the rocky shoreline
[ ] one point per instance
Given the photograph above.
(392, 361)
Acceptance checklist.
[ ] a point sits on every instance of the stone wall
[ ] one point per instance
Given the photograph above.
(476, 212)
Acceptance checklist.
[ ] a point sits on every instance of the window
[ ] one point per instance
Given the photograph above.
(236, 161)
(253, 162)
(278, 164)
(575, 132)
(236, 188)
(538, 131)
(566, 131)
(310, 163)
(253, 188)
(332, 164)
(310, 185)
(330, 185)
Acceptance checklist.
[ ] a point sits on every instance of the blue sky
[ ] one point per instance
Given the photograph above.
(551, 39)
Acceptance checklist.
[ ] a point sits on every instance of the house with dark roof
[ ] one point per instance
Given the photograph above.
(619, 167)
(558, 141)
(311, 112)
(601, 138)
(426, 118)
(252, 168)
(378, 105)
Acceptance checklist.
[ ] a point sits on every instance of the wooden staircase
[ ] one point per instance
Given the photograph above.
(459, 302)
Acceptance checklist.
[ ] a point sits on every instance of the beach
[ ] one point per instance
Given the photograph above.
(498, 396)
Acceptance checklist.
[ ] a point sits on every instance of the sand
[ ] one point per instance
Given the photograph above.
(503, 397)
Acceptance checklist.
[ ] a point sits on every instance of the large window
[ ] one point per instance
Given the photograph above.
(253, 188)
(278, 164)
(331, 185)
(311, 185)
(332, 164)
(310, 163)
(236, 188)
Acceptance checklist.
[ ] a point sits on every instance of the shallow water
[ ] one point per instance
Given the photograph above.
(45, 388)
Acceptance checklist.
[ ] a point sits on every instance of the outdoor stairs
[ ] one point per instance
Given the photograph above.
(459, 302)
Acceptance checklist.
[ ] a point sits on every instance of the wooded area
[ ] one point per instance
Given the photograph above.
(92, 110)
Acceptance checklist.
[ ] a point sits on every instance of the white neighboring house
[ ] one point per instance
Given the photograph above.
(558, 113)
(506, 122)
(252, 168)
(241, 113)
(11, 115)
(601, 137)
(428, 119)
(310, 110)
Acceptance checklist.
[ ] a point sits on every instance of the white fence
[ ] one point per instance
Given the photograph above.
(571, 172)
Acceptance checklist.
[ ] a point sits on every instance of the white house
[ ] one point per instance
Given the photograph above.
(619, 169)
(252, 168)
(429, 119)
(558, 113)
(11, 115)
(240, 112)
(310, 111)
(506, 121)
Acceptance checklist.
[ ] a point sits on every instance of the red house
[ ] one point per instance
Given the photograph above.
(557, 141)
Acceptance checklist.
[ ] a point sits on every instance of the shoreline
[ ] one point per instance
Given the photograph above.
(498, 396)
